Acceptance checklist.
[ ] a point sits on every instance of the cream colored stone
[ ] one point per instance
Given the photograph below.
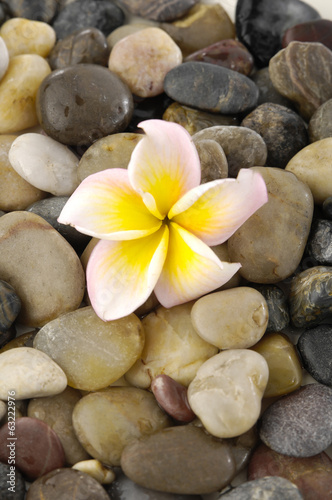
(15, 192)
(30, 374)
(227, 391)
(4, 58)
(18, 90)
(56, 411)
(23, 36)
(312, 165)
(105, 422)
(171, 346)
(93, 353)
(143, 59)
(128, 29)
(231, 319)
(96, 470)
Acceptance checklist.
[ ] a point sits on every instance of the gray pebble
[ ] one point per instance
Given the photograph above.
(320, 241)
(266, 488)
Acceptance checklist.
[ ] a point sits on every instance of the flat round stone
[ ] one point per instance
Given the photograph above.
(315, 348)
(23, 36)
(271, 488)
(80, 104)
(299, 424)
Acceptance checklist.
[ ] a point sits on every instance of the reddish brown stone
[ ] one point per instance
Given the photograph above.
(172, 397)
(319, 30)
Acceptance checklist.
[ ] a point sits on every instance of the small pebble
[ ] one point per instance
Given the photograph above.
(159, 10)
(318, 30)
(320, 241)
(144, 70)
(315, 348)
(269, 488)
(227, 391)
(320, 124)
(172, 397)
(10, 305)
(212, 159)
(4, 58)
(23, 36)
(299, 424)
(37, 448)
(277, 307)
(96, 470)
(40, 10)
(12, 484)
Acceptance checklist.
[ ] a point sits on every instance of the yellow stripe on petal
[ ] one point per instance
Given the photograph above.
(122, 274)
(107, 207)
(214, 211)
(191, 269)
(164, 163)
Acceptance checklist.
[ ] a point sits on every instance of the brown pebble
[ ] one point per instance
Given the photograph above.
(172, 397)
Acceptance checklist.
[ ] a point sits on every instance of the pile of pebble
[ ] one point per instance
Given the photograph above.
(229, 396)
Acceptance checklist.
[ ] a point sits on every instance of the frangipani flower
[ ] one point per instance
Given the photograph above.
(156, 223)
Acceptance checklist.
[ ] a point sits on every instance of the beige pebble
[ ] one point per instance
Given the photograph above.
(96, 470)
(30, 374)
(312, 165)
(213, 160)
(143, 59)
(105, 422)
(24, 36)
(4, 58)
(18, 90)
(127, 29)
(227, 391)
(93, 353)
(231, 319)
(171, 346)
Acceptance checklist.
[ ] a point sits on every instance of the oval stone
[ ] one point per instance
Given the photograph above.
(218, 319)
(315, 348)
(37, 448)
(105, 422)
(227, 391)
(312, 165)
(172, 397)
(30, 373)
(92, 362)
(43, 268)
(18, 90)
(320, 125)
(271, 243)
(299, 424)
(23, 36)
(181, 469)
(82, 103)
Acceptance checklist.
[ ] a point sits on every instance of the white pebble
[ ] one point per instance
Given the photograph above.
(96, 470)
(4, 57)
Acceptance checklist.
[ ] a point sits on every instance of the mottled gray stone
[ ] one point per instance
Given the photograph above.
(267, 488)
(315, 348)
(320, 241)
(277, 307)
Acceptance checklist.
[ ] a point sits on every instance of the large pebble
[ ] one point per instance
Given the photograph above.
(181, 467)
(12, 484)
(105, 422)
(144, 70)
(45, 163)
(92, 353)
(320, 125)
(42, 267)
(312, 165)
(277, 307)
(172, 346)
(284, 132)
(82, 103)
(18, 90)
(30, 374)
(158, 10)
(10, 305)
(315, 348)
(56, 411)
(79, 14)
(300, 423)
(37, 448)
(242, 146)
(312, 475)
(40, 10)
(4, 58)
(23, 36)
(302, 72)
(211, 88)
(67, 484)
(318, 30)
(15, 192)
(310, 298)
(218, 319)
(269, 488)
(227, 391)
(320, 241)
(271, 243)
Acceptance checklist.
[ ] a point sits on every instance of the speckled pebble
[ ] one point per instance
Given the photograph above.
(315, 348)
(269, 488)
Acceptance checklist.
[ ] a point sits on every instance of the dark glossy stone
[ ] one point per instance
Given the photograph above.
(320, 124)
(66, 484)
(315, 348)
(39, 10)
(10, 305)
(158, 10)
(80, 104)
(12, 484)
(299, 424)
(319, 30)
(327, 207)
(7, 335)
(310, 298)
(37, 448)
(87, 46)
(260, 24)
(105, 16)
(229, 53)
(172, 397)
(284, 132)
(50, 209)
(319, 244)
(211, 88)
(269, 488)
(277, 307)
(267, 92)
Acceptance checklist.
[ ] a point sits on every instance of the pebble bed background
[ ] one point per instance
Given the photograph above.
(311, 406)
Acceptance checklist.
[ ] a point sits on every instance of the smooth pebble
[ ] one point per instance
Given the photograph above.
(315, 348)
(269, 488)
(23, 36)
